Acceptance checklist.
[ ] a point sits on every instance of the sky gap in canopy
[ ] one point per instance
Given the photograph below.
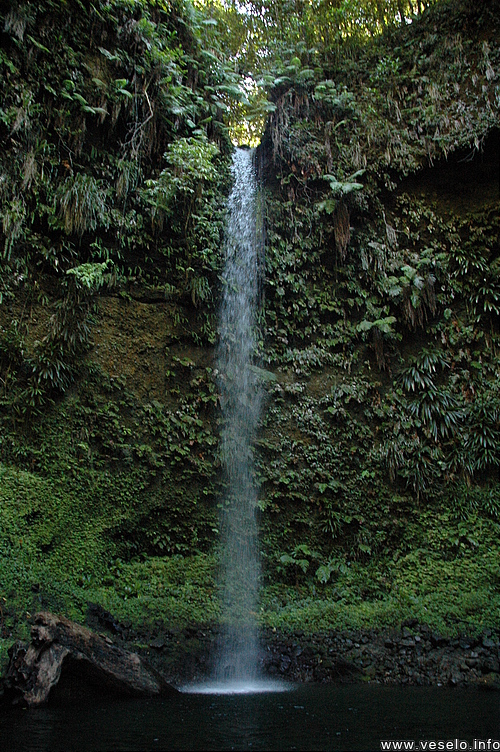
(265, 40)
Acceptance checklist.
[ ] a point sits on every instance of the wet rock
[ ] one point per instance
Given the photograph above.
(456, 678)
(342, 669)
(285, 664)
(158, 643)
(412, 623)
(391, 656)
(471, 662)
(99, 618)
(407, 643)
(371, 671)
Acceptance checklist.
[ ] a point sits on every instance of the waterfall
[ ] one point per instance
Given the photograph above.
(241, 396)
(236, 660)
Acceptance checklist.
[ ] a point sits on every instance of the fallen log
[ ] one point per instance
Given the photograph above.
(58, 647)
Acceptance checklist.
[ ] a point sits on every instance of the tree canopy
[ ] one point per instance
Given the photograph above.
(263, 40)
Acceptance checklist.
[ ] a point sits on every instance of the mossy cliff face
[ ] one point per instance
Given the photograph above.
(114, 172)
(378, 452)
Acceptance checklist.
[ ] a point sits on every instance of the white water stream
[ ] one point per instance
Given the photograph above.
(236, 661)
(240, 402)
(237, 651)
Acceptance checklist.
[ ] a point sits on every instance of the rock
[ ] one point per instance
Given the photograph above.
(285, 663)
(407, 643)
(438, 641)
(490, 665)
(456, 678)
(370, 672)
(487, 642)
(490, 681)
(97, 617)
(412, 623)
(158, 643)
(345, 669)
(59, 646)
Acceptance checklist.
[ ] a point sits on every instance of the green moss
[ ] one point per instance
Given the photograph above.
(175, 591)
(4, 657)
(451, 586)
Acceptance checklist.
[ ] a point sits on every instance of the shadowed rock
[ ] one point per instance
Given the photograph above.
(61, 648)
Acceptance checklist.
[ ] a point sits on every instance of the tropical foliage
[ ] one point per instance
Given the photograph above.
(378, 452)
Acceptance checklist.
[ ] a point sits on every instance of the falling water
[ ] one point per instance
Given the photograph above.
(237, 653)
(236, 661)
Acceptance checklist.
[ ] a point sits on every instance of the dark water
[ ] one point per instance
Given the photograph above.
(307, 718)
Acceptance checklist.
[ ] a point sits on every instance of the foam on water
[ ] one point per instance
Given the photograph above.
(257, 686)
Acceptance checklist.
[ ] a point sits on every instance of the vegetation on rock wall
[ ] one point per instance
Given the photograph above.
(381, 321)
(113, 155)
(114, 169)
(378, 455)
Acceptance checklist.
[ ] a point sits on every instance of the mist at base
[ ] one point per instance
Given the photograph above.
(256, 686)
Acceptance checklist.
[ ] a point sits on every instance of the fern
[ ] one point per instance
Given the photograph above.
(82, 204)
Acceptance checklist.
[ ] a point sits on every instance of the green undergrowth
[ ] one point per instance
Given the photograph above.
(56, 555)
(62, 560)
(175, 591)
(443, 572)
(457, 597)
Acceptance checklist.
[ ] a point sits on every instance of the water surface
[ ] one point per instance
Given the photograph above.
(309, 717)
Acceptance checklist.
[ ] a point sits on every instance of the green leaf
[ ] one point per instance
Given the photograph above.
(38, 45)
(364, 326)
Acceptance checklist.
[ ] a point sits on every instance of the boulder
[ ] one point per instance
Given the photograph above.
(60, 648)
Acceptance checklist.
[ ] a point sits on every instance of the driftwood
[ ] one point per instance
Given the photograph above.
(61, 648)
